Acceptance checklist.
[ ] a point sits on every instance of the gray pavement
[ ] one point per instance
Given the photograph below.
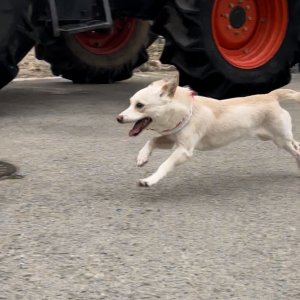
(223, 226)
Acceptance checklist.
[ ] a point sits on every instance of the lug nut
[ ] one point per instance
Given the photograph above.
(226, 16)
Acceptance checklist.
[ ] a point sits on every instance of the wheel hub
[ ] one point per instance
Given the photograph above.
(248, 33)
(108, 42)
(237, 17)
(235, 22)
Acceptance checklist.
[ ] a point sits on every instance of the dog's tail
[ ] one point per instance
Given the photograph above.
(286, 94)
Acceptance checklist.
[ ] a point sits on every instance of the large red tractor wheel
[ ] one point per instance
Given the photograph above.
(248, 34)
(226, 48)
(97, 56)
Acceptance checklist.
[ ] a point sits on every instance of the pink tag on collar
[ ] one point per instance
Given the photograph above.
(193, 93)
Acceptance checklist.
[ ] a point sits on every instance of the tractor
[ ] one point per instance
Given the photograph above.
(221, 48)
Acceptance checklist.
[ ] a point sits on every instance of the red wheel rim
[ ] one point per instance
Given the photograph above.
(103, 43)
(248, 33)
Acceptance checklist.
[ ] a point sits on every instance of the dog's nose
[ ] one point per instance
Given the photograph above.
(120, 118)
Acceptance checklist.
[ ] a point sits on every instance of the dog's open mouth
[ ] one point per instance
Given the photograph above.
(139, 126)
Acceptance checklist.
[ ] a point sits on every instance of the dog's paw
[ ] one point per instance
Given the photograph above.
(142, 159)
(144, 183)
(141, 162)
(149, 181)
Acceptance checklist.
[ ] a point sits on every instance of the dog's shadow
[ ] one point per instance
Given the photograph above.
(237, 185)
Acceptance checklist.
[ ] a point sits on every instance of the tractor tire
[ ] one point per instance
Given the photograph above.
(97, 57)
(16, 38)
(226, 48)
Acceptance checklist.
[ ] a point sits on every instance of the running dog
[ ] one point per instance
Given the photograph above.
(186, 122)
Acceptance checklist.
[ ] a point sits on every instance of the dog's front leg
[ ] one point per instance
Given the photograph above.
(161, 142)
(179, 156)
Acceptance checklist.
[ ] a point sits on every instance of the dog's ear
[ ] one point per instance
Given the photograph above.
(169, 87)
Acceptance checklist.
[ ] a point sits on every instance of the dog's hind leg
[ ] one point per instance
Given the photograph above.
(263, 134)
(179, 156)
(264, 137)
(293, 147)
(161, 142)
(283, 135)
(296, 146)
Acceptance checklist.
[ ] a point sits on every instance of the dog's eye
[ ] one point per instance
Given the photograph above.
(139, 105)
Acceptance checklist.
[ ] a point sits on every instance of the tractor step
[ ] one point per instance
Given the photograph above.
(85, 13)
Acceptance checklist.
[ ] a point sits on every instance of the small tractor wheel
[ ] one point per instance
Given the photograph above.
(97, 56)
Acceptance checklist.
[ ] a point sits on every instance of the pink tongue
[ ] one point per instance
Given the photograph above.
(134, 132)
(136, 129)
(139, 126)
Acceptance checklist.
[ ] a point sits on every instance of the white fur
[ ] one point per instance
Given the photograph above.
(213, 123)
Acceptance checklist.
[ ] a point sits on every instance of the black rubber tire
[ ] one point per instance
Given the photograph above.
(296, 25)
(186, 27)
(16, 38)
(70, 60)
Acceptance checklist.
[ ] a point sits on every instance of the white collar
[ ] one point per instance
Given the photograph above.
(186, 119)
(180, 125)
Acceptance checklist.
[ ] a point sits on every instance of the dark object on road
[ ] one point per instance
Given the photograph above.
(221, 48)
(7, 169)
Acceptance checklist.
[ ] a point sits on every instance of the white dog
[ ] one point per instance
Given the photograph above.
(186, 121)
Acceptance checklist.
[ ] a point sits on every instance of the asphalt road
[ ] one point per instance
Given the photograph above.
(223, 226)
